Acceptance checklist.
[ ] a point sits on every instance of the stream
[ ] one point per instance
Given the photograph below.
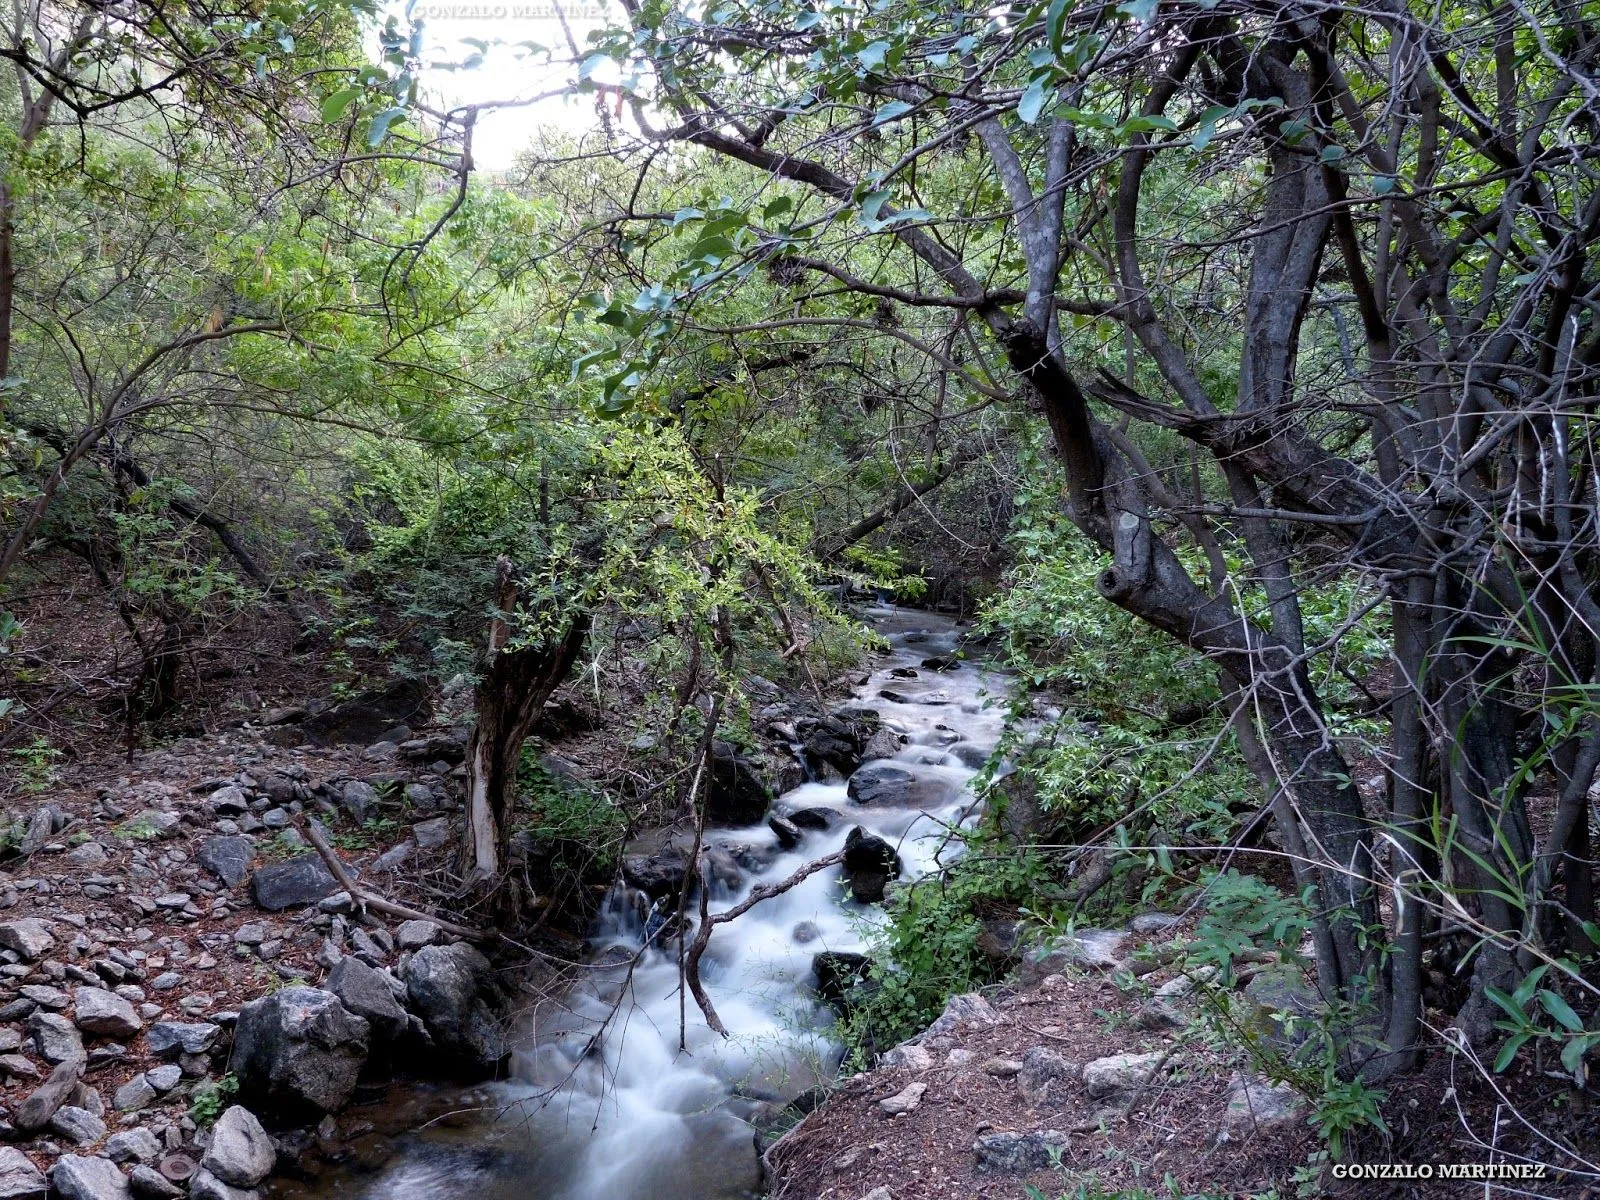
(636, 1117)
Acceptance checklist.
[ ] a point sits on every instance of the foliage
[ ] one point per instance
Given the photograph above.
(210, 1100)
(34, 766)
(1138, 711)
(928, 947)
(576, 827)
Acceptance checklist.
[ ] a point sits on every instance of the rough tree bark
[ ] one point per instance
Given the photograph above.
(514, 683)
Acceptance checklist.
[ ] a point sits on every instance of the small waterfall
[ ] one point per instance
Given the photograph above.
(604, 1101)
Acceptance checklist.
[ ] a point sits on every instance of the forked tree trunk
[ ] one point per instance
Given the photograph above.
(513, 686)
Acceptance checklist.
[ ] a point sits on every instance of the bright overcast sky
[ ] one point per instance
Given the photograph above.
(508, 71)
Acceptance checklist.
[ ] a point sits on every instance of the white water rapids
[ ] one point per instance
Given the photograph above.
(636, 1118)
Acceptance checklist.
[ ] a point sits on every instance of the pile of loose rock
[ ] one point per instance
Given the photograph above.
(166, 933)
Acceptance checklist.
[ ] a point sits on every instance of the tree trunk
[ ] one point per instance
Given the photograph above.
(511, 693)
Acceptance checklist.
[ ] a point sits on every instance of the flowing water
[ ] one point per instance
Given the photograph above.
(602, 1101)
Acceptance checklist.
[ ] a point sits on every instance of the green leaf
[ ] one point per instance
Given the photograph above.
(336, 104)
(379, 129)
(1089, 120)
(1144, 124)
(1383, 185)
(1055, 23)
(1572, 1055)
(1143, 11)
(1509, 1003)
(1509, 1051)
(776, 208)
(890, 111)
(871, 205)
(872, 57)
(1039, 93)
(1561, 1010)
(1332, 152)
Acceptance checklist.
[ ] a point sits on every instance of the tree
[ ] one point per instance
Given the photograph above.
(1298, 289)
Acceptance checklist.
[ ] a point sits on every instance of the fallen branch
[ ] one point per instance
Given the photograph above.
(708, 922)
(365, 900)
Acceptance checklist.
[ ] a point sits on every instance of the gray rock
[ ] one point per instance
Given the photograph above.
(656, 875)
(905, 1101)
(431, 835)
(166, 981)
(1254, 1104)
(78, 1125)
(152, 823)
(885, 743)
(869, 864)
(166, 1077)
(786, 831)
(895, 783)
(908, 1055)
(1157, 1014)
(88, 1179)
(1087, 949)
(298, 1052)
(1281, 1008)
(28, 936)
(100, 1013)
(1002, 1068)
(395, 857)
(19, 1178)
(363, 991)
(229, 801)
(359, 798)
(35, 1112)
(55, 1036)
(176, 1037)
(150, 1184)
(292, 884)
(969, 1010)
(448, 986)
(133, 1145)
(40, 826)
(414, 935)
(1107, 1077)
(90, 854)
(1146, 924)
(135, 1094)
(1019, 1153)
(241, 1154)
(228, 858)
(206, 1186)
(735, 793)
(1046, 1077)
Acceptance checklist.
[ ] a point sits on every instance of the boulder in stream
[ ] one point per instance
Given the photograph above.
(869, 864)
(450, 988)
(736, 795)
(298, 1053)
(896, 783)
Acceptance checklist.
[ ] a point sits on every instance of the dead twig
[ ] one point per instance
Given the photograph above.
(708, 922)
(364, 900)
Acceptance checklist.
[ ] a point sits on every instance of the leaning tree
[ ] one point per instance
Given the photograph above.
(1302, 290)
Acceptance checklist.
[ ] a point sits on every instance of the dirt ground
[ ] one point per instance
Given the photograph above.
(1175, 1136)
